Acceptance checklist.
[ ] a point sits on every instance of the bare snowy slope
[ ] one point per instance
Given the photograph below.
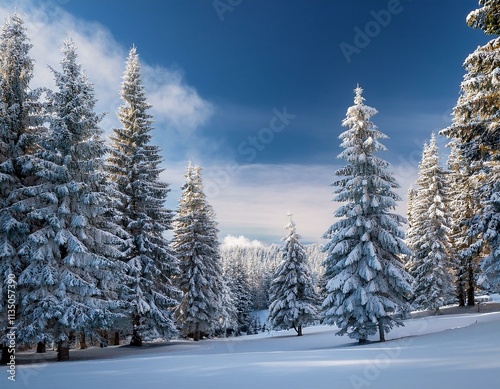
(458, 351)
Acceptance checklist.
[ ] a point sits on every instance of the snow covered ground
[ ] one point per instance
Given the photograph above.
(449, 351)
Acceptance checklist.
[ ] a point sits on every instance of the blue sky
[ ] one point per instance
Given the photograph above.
(255, 90)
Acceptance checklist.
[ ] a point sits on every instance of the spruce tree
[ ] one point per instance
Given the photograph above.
(487, 18)
(236, 277)
(412, 229)
(411, 214)
(489, 225)
(69, 284)
(258, 265)
(475, 120)
(367, 287)
(462, 207)
(20, 132)
(134, 166)
(195, 243)
(476, 131)
(292, 294)
(430, 265)
(229, 310)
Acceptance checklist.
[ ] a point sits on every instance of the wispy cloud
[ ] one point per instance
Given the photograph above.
(177, 107)
(251, 201)
(241, 241)
(174, 102)
(256, 198)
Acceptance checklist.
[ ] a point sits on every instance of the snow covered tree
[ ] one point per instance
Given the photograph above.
(258, 264)
(487, 18)
(236, 277)
(412, 194)
(229, 310)
(261, 264)
(71, 275)
(367, 285)
(315, 259)
(476, 131)
(489, 226)
(134, 166)
(411, 230)
(462, 207)
(197, 248)
(20, 131)
(475, 119)
(293, 298)
(430, 264)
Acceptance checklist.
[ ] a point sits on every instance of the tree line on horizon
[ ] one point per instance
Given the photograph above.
(82, 220)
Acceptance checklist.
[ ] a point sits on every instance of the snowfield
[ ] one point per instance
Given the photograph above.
(449, 351)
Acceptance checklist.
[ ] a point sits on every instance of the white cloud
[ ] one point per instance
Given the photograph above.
(253, 200)
(176, 105)
(173, 101)
(241, 241)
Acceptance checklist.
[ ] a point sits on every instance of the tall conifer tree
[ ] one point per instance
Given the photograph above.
(237, 281)
(463, 206)
(134, 166)
(476, 131)
(367, 286)
(20, 132)
(196, 245)
(71, 278)
(430, 264)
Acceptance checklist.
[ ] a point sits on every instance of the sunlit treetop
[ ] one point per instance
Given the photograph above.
(487, 18)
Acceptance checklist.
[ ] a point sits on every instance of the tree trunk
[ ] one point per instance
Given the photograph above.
(461, 287)
(471, 286)
(196, 335)
(5, 355)
(470, 297)
(461, 298)
(62, 351)
(83, 342)
(381, 332)
(116, 340)
(298, 329)
(71, 338)
(41, 347)
(136, 337)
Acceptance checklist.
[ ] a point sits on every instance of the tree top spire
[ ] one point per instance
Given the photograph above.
(291, 224)
(358, 98)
